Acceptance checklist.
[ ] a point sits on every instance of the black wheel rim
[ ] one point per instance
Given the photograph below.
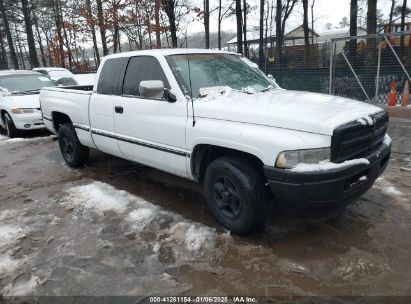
(67, 148)
(227, 197)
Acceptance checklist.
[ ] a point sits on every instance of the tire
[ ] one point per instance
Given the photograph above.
(236, 194)
(11, 129)
(73, 152)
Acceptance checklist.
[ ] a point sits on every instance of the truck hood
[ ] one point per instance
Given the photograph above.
(21, 101)
(296, 110)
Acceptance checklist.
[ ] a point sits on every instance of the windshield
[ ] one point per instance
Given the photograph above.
(59, 74)
(25, 83)
(216, 70)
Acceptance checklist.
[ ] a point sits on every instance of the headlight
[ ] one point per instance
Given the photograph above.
(289, 159)
(22, 111)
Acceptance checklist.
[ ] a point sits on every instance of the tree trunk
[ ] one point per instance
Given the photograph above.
(219, 25)
(170, 11)
(403, 15)
(3, 60)
(18, 40)
(102, 26)
(34, 61)
(353, 31)
(70, 54)
(43, 55)
(207, 23)
(246, 53)
(261, 57)
(93, 32)
(157, 20)
(306, 31)
(278, 31)
(312, 21)
(12, 50)
(56, 10)
(391, 15)
(371, 29)
(239, 26)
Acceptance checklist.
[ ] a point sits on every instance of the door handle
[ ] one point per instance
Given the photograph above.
(119, 109)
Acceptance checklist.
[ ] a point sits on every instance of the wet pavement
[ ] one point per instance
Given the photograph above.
(119, 228)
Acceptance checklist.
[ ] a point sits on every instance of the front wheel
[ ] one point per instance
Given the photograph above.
(236, 194)
(10, 127)
(74, 153)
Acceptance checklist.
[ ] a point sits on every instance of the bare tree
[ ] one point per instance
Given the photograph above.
(34, 61)
(245, 9)
(157, 20)
(238, 14)
(221, 15)
(12, 50)
(353, 30)
(261, 57)
(283, 12)
(207, 23)
(403, 15)
(102, 26)
(91, 23)
(169, 8)
(391, 15)
(312, 21)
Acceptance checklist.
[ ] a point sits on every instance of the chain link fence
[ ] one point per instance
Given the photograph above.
(363, 67)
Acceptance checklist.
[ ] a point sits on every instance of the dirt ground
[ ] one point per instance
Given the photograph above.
(119, 228)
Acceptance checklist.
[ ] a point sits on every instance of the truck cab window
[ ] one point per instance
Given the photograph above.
(140, 69)
(112, 70)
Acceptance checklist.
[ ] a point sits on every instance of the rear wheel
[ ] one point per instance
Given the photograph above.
(10, 127)
(236, 194)
(74, 153)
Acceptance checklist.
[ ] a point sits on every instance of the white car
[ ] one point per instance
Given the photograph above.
(19, 100)
(85, 79)
(211, 117)
(54, 73)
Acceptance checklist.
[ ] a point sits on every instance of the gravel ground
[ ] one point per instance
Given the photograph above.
(119, 228)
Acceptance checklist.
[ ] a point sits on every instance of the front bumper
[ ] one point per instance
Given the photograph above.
(28, 121)
(326, 191)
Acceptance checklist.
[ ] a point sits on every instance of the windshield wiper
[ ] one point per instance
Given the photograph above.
(30, 91)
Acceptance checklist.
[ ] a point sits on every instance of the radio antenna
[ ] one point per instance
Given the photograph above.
(189, 79)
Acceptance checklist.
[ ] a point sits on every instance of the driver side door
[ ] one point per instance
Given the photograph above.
(150, 131)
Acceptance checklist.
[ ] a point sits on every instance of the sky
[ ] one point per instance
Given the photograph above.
(325, 11)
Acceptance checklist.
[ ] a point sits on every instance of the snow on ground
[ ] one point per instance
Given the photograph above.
(98, 196)
(5, 140)
(193, 236)
(327, 165)
(390, 190)
(22, 287)
(10, 234)
(172, 230)
(8, 265)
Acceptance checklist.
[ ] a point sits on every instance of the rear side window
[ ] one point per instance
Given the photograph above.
(111, 77)
(139, 69)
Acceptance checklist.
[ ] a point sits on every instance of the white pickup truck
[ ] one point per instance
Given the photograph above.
(214, 118)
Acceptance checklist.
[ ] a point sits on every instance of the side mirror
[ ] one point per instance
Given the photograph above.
(271, 77)
(152, 89)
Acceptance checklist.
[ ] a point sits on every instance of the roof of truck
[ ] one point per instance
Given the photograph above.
(167, 52)
(16, 72)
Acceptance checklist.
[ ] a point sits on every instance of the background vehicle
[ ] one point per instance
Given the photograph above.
(211, 117)
(19, 100)
(54, 73)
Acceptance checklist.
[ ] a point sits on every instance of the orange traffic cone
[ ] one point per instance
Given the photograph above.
(392, 99)
(406, 95)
